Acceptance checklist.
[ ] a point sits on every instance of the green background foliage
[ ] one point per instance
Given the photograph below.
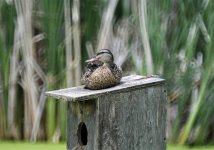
(180, 37)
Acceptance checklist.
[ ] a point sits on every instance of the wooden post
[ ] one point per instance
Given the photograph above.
(129, 116)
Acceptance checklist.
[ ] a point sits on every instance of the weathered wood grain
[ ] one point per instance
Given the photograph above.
(82, 111)
(133, 120)
(127, 83)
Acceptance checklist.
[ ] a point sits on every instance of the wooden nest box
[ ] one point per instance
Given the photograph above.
(129, 116)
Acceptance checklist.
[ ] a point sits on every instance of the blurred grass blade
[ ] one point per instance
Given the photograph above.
(191, 40)
(41, 102)
(12, 94)
(2, 109)
(203, 28)
(68, 44)
(142, 12)
(76, 41)
(106, 25)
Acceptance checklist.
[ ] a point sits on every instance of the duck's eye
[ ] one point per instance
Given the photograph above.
(98, 57)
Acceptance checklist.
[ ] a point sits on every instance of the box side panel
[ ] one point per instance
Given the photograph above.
(133, 120)
(82, 125)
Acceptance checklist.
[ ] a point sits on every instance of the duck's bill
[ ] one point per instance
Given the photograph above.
(90, 60)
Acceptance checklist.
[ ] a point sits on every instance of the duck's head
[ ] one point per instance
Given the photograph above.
(103, 55)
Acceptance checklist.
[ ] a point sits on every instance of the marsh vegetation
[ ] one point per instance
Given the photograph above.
(44, 43)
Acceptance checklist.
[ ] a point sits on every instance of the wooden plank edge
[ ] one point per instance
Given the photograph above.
(96, 95)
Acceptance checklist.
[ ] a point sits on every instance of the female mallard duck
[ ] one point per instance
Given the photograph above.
(101, 71)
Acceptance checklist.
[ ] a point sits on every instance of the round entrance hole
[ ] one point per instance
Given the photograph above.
(82, 134)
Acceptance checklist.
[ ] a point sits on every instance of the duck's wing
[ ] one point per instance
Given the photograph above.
(116, 71)
(90, 68)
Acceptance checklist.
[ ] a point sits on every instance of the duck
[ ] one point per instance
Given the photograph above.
(101, 71)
